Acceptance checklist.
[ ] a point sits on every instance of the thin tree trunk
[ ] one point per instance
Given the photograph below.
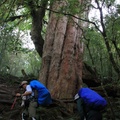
(37, 21)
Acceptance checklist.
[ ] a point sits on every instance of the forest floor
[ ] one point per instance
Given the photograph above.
(59, 110)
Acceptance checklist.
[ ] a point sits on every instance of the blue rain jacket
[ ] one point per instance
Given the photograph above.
(44, 97)
(92, 98)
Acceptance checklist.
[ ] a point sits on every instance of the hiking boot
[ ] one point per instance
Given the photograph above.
(24, 116)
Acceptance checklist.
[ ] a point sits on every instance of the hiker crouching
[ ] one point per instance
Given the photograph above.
(90, 104)
(30, 103)
(35, 94)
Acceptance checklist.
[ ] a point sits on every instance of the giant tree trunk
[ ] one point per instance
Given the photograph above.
(61, 69)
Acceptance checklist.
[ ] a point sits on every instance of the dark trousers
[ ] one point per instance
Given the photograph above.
(87, 112)
(30, 110)
(94, 115)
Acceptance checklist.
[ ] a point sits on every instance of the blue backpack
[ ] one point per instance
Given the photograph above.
(92, 98)
(43, 94)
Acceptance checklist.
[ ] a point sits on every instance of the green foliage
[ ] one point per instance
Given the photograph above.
(14, 57)
(70, 7)
(16, 21)
(13, 23)
(97, 48)
(73, 7)
(118, 9)
(97, 53)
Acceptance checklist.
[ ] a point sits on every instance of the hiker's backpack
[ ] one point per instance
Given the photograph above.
(92, 98)
(44, 97)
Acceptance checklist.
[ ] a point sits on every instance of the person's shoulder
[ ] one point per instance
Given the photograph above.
(28, 86)
(34, 81)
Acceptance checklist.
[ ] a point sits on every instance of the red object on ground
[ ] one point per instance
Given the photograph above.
(13, 103)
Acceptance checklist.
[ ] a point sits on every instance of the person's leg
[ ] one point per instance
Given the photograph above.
(80, 108)
(94, 115)
(32, 109)
(25, 114)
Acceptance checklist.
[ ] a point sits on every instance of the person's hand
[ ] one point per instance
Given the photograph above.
(18, 94)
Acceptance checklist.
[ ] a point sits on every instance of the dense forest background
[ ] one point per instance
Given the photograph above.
(18, 52)
(25, 27)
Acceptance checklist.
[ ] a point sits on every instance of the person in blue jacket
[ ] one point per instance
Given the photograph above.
(89, 104)
(44, 97)
(36, 94)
